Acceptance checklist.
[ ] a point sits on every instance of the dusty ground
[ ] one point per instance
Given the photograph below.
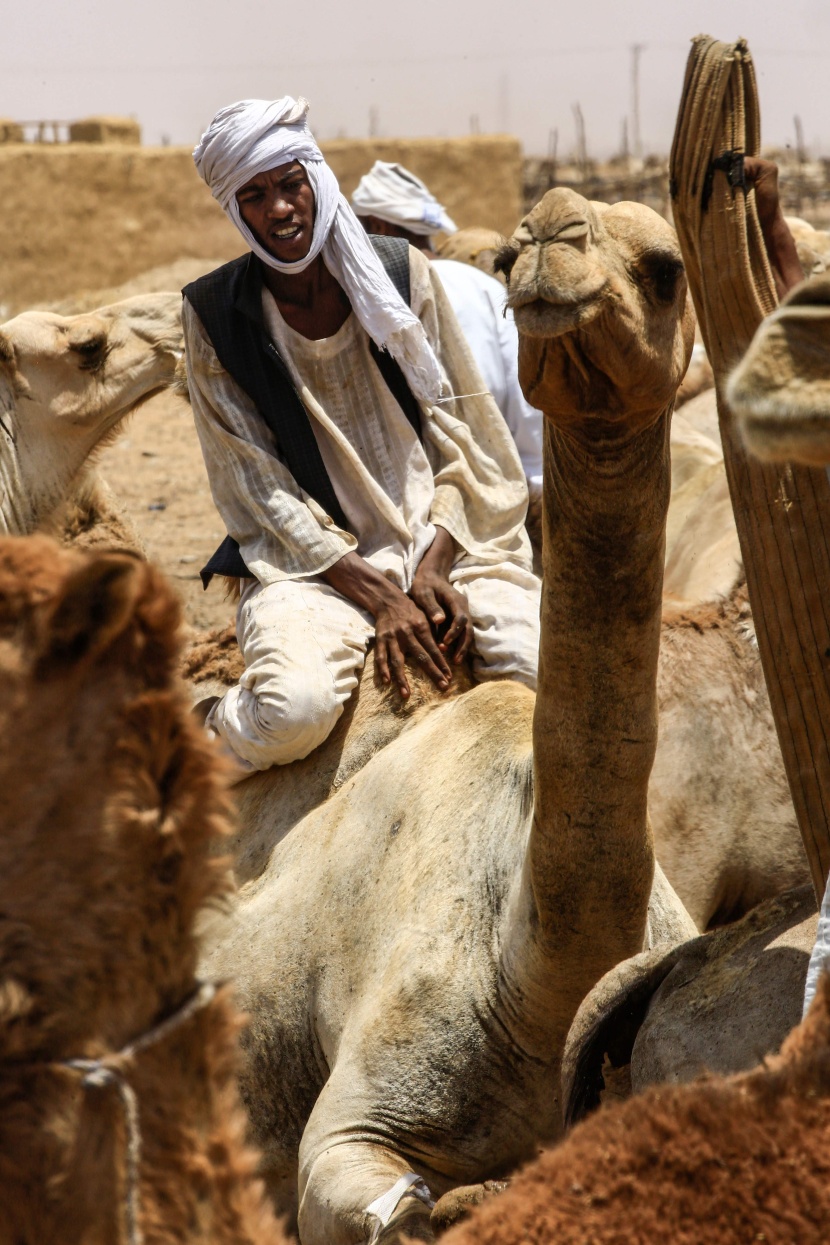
(156, 471)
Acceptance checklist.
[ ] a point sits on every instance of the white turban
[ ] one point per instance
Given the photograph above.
(393, 194)
(255, 135)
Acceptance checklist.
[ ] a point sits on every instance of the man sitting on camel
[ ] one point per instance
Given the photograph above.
(368, 483)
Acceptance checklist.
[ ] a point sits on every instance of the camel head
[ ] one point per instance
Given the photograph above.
(780, 391)
(107, 797)
(65, 383)
(599, 297)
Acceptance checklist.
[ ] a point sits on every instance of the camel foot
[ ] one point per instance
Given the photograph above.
(457, 1204)
(410, 1222)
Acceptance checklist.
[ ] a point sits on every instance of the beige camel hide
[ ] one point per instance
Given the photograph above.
(410, 984)
(720, 1003)
(475, 246)
(65, 383)
(780, 391)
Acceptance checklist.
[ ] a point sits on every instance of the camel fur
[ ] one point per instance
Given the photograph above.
(109, 810)
(49, 466)
(485, 868)
(717, 1162)
(719, 1003)
(66, 383)
(780, 390)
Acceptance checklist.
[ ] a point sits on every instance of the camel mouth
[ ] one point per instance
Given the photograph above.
(541, 317)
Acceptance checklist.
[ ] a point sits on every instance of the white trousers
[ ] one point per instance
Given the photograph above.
(304, 644)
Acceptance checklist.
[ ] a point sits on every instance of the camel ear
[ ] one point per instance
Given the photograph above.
(95, 607)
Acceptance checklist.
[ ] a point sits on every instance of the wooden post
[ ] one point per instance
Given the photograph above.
(782, 513)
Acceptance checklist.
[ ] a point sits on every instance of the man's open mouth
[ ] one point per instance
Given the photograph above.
(286, 232)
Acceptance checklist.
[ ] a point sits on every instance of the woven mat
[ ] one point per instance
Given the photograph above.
(782, 512)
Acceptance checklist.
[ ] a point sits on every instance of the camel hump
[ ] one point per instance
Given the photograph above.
(602, 1036)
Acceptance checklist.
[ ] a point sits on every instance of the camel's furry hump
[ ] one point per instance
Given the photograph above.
(108, 814)
(717, 1162)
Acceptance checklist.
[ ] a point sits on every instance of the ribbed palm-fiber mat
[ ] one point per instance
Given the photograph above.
(782, 512)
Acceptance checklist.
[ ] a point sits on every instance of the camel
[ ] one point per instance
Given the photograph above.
(66, 384)
(476, 246)
(120, 1117)
(720, 1003)
(779, 391)
(727, 843)
(724, 827)
(718, 1162)
(495, 859)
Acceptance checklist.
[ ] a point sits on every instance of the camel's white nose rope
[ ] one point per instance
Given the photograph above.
(108, 1071)
(384, 1206)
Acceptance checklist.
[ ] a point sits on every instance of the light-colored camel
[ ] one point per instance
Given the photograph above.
(720, 1003)
(719, 1162)
(412, 953)
(725, 831)
(813, 246)
(723, 822)
(780, 391)
(65, 385)
(109, 809)
(475, 246)
(727, 840)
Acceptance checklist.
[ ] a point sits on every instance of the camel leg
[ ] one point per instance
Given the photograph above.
(344, 1181)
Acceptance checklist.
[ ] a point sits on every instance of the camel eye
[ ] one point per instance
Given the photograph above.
(661, 273)
(91, 351)
(505, 258)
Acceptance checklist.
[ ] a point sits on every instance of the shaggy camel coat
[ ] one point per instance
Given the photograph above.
(109, 813)
(717, 1162)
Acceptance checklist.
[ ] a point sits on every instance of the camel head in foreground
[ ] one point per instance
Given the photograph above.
(598, 293)
(109, 805)
(65, 383)
(780, 391)
(605, 336)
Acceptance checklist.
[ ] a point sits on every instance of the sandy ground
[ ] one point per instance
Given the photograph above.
(156, 471)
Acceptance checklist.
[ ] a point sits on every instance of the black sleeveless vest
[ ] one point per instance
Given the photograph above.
(228, 301)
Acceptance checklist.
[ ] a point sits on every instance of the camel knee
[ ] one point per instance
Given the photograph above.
(354, 1193)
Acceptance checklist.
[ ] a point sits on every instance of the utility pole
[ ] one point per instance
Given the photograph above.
(801, 158)
(374, 122)
(637, 50)
(553, 148)
(581, 145)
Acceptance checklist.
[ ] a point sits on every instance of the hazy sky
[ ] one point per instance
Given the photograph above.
(425, 69)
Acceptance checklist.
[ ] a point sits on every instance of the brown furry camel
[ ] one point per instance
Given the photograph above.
(108, 809)
(718, 1162)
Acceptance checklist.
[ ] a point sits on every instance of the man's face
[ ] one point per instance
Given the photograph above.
(278, 208)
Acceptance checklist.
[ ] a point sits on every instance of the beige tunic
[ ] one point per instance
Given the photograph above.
(467, 477)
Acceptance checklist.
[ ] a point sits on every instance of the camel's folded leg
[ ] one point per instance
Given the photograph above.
(359, 1192)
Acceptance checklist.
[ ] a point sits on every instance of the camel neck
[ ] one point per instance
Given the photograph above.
(590, 855)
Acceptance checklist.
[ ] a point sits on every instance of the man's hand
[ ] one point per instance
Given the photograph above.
(781, 249)
(438, 599)
(401, 627)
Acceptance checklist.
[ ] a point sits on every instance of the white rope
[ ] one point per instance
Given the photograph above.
(385, 1206)
(456, 397)
(106, 1071)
